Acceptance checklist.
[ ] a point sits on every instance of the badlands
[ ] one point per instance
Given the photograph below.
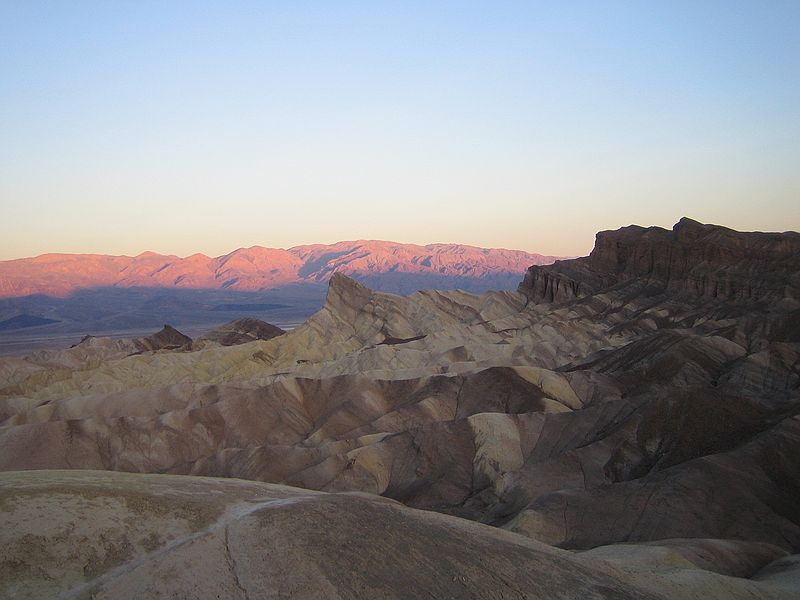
(625, 425)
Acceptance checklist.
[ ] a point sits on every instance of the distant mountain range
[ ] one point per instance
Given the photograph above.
(388, 266)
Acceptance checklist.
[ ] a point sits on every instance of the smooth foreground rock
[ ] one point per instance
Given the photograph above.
(88, 534)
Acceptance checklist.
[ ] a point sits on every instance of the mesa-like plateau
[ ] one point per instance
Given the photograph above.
(624, 425)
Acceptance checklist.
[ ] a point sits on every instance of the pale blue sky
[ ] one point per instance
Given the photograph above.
(185, 127)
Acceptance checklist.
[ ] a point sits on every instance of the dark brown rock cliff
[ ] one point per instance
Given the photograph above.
(693, 260)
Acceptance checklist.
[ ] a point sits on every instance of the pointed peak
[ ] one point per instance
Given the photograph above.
(168, 337)
(686, 223)
(340, 280)
(345, 291)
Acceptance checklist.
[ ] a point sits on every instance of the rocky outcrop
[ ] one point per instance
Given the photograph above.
(693, 260)
(242, 331)
(563, 281)
(168, 338)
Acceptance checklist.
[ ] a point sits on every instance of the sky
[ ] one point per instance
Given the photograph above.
(183, 127)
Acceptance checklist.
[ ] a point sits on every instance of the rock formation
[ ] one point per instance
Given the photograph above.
(639, 407)
(242, 331)
(115, 535)
(693, 260)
